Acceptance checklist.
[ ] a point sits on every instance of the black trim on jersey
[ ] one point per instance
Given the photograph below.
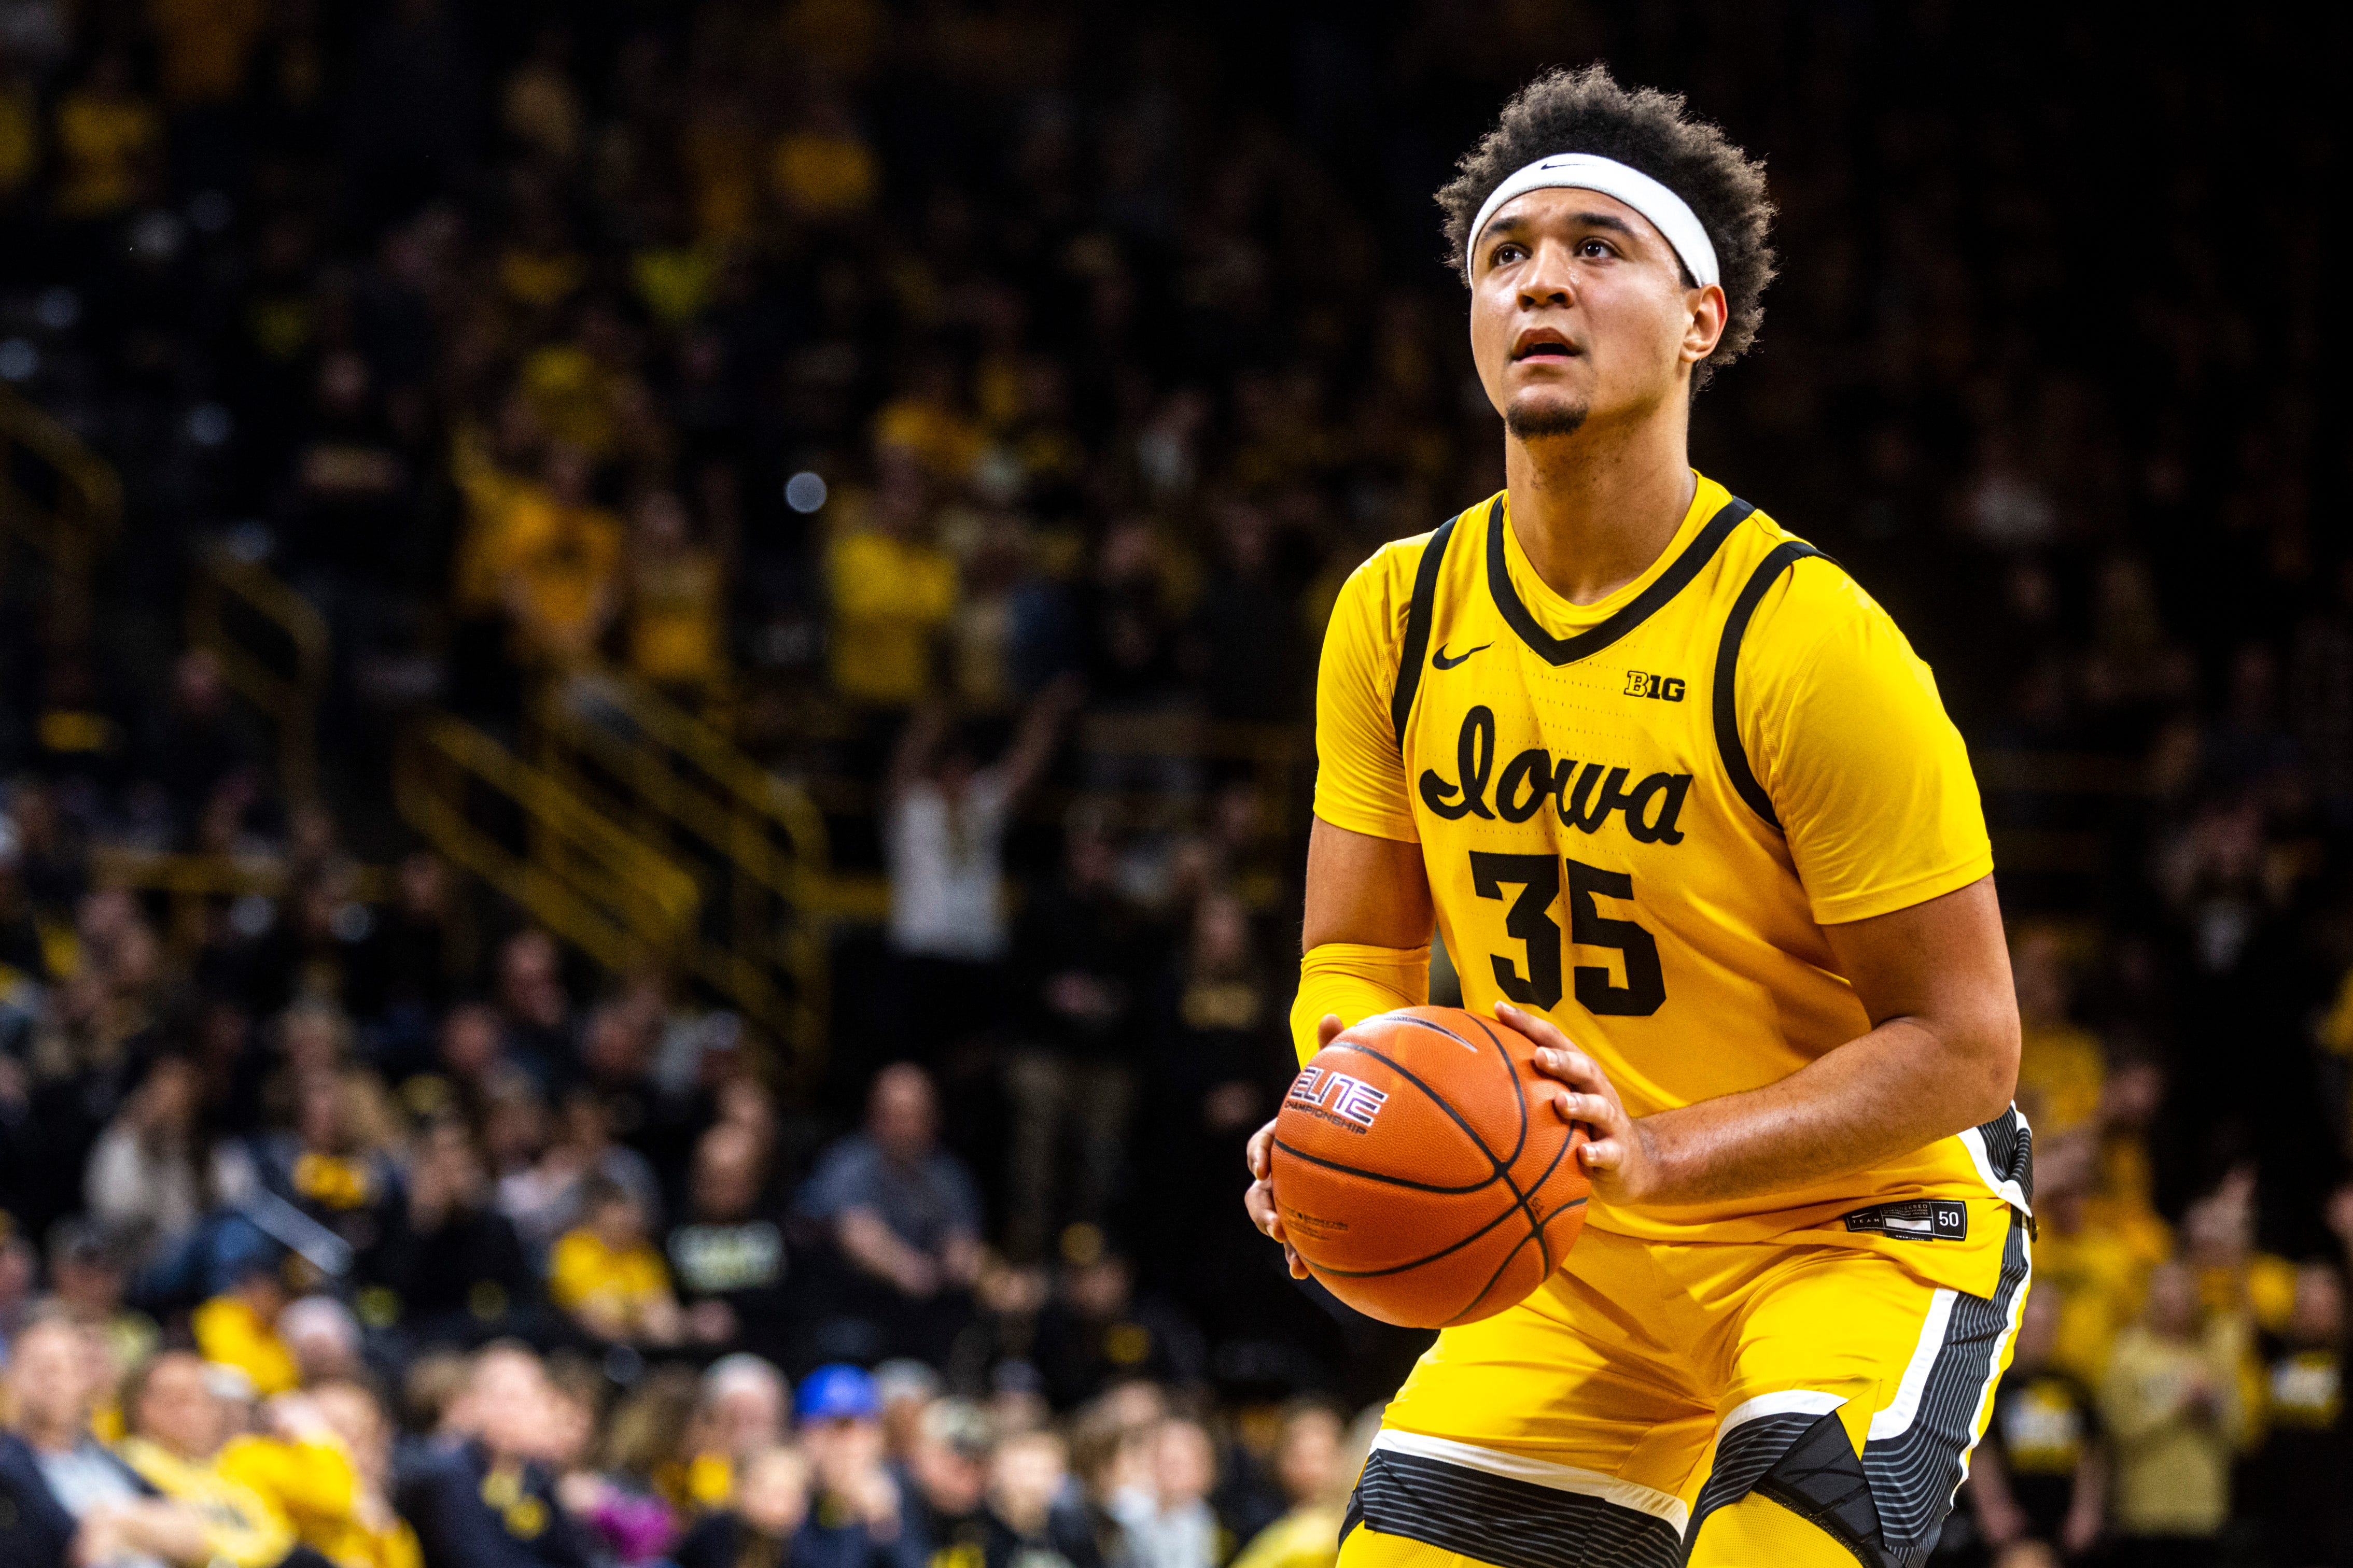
(1649, 601)
(1419, 613)
(1727, 664)
(1496, 1520)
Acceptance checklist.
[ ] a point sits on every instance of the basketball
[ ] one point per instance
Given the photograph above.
(1421, 1171)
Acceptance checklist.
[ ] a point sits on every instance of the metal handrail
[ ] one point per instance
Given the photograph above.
(290, 702)
(74, 530)
(591, 881)
(217, 876)
(681, 777)
(746, 796)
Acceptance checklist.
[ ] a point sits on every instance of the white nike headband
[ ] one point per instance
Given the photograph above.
(1668, 212)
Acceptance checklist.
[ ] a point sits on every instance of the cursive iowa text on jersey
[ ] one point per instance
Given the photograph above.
(1581, 800)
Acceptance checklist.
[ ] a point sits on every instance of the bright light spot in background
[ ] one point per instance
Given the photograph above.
(19, 359)
(804, 492)
(57, 309)
(209, 425)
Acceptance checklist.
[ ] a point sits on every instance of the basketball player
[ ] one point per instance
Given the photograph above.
(1687, 811)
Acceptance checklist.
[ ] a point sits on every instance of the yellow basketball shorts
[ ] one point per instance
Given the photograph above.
(1796, 1392)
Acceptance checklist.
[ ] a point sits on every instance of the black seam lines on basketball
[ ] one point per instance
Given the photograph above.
(1503, 1167)
(1520, 1098)
(1506, 1212)
(1535, 1230)
(1298, 1154)
(1518, 1094)
(1402, 1017)
(1480, 1294)
(1543, 1176)
(1437, 1099)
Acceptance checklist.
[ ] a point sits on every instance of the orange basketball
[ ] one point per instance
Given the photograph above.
(1422, 1170)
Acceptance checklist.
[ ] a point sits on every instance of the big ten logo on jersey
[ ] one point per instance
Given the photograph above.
(1582, 794)
(1337, 1098)
(1665, 687)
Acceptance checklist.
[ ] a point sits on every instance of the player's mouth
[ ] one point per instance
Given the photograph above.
(1544, 342)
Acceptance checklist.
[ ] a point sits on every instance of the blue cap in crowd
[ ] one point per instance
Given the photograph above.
(839, 1392)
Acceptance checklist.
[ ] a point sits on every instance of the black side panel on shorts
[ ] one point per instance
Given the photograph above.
(1745, 1458)
(1888, 1505)
(1513, 1524)
(1419, 613)
(1914, 1476)
(1727, 666)
(1820, 1480)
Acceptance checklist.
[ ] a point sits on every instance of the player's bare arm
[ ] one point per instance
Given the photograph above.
(1941, 1057)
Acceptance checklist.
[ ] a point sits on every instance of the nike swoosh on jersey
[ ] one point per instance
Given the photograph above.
(1442, 662)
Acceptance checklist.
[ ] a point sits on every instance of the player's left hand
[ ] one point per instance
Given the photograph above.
(1618, 1160)
(1259, 1198)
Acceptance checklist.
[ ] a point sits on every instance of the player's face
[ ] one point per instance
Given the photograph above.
(1578, 313)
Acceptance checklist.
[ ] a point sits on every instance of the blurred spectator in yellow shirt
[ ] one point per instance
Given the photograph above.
(2171, 1404)
(20, 129)
(561, 564)
(178, 1426)
(203, 48)
(87, 1279)
(238, 1328)
(1316, 1462)
(375, 1537)
(607, 1274)
(108, 140)
(306, 1464)
(2123, 1190)
(541, 108)
(929, 418)
(2094, 1273)
(2061, 1068)
(893, 591)
(496, 463)
(823, 170)
(677, 600)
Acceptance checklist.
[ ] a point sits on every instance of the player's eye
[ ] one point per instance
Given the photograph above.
(1509, 252)
(1590, 247)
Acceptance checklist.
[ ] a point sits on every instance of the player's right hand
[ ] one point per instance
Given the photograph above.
(1259, 1199)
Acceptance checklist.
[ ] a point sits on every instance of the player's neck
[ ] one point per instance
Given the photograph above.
(1595, 509)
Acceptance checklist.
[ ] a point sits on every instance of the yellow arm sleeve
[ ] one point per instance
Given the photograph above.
(1354, 981)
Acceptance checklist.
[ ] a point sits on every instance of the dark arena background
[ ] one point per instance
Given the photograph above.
(657, 665)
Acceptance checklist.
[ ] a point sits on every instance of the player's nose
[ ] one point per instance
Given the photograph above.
(1548, 278)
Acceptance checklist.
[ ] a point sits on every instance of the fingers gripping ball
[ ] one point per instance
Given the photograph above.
(1422, 1169)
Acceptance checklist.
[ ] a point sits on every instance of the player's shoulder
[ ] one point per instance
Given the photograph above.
(1801, 593)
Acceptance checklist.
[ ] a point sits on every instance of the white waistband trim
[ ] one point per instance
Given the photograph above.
(1783, 1402)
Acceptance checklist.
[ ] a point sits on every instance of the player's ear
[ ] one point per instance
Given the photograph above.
(1709, 312)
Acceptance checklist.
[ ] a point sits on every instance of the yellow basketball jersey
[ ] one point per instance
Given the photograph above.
(1638, 814)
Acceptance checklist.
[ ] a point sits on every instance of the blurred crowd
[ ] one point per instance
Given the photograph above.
(972, 411)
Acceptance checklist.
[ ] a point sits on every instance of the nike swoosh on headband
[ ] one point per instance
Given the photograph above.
(1668, 213)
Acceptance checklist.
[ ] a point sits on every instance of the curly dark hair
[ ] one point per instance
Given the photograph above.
(1586, 111)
